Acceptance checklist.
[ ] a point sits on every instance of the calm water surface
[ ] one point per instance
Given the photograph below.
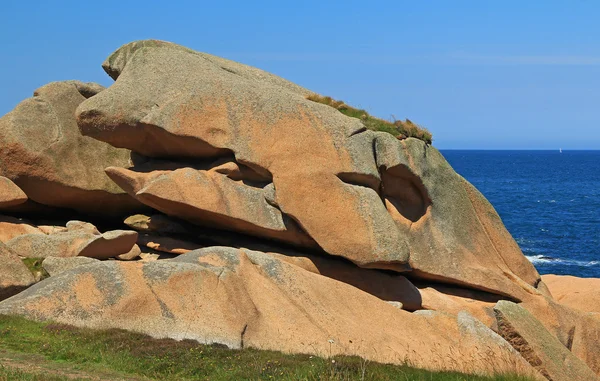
(549, 201)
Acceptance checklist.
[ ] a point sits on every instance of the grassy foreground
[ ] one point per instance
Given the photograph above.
(138, 357)
(7, 374)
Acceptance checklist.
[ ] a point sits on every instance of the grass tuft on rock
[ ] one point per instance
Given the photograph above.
(399, 128)
(138, 356)
(35, 266)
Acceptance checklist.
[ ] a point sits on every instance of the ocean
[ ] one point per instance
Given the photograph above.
(549, 202)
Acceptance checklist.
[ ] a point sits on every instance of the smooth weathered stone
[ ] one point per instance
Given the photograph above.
(437, 297)
(11, 227)
(10, 194)
(82, 226)
(43, 152)
(244, 298)
(139, 222)
(134, 253)
(211, 199)
(459, 238)
(109, 245)
(80, 239)
(57, 265)
(14, 275)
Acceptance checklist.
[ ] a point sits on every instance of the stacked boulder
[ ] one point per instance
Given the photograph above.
(43, 153)
(287, 226)
(76, 239)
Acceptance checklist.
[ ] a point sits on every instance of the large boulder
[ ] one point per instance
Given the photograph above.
(182, 104)
(248, 152)
(10, 194)
(209, 198)
(79, 239)
(538, 346)
(44, 154)
(579, 293)
(385, 285)
(11, 227)
(14, 275)
(244, 298)
(388, 286)
(459, 238)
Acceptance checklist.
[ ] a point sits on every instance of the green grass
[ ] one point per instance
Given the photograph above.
(162, 359)
(7, 374)
(398, 128)
(35, 266)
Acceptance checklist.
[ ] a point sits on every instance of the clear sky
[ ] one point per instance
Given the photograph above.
(479, 74)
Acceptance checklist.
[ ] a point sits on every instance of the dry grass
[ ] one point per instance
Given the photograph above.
(399, 128)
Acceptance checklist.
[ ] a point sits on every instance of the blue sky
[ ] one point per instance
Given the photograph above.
(479, 74)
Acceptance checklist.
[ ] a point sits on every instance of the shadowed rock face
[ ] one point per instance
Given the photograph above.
(248, 152)
(43, 152)
(538, 346)
(245, 298)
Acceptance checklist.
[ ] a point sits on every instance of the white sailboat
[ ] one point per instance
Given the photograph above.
(560, 150)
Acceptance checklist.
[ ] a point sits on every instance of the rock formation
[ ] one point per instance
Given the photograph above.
(14, 275)
(10, 194)
(78, 239)
(244, 298)
(11, 227)
(255, 156)
(275, 222)
(42, 151)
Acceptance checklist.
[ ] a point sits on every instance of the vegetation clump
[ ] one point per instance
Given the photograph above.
(399, 128)
(35, 266)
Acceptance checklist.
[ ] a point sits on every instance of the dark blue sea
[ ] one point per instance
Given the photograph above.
(549, 201)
